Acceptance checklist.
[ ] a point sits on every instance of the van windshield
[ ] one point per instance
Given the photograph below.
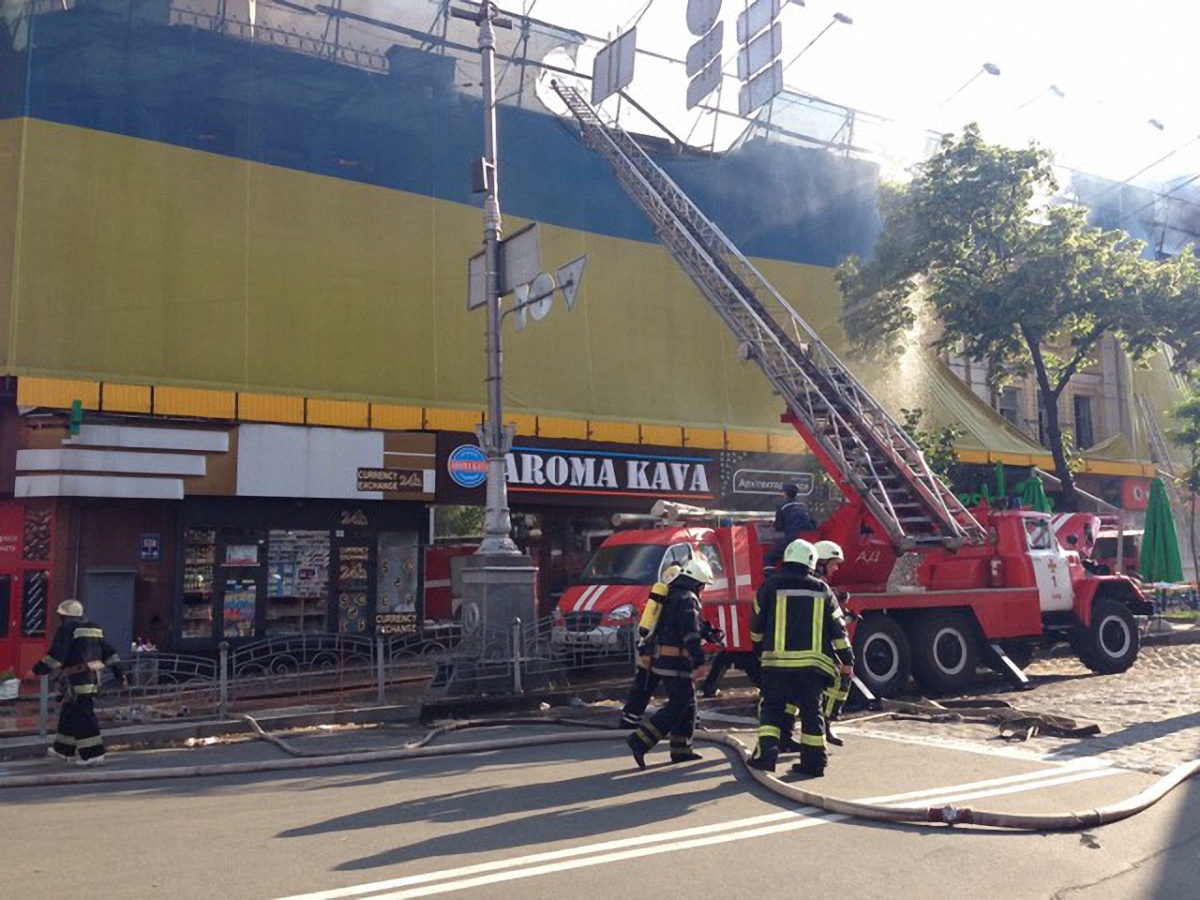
(624, 564)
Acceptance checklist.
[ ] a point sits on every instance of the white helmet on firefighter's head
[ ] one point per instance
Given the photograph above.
(828, 550)
(71, 609)
(697, 569)
(802, 552)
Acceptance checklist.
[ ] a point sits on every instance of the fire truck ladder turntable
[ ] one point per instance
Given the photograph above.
(868, 454)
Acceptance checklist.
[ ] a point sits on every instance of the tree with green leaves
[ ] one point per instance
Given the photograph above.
(937, 446)
(1016, 282)
(1187, 437)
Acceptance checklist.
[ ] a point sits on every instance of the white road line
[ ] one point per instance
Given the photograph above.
(700, 836)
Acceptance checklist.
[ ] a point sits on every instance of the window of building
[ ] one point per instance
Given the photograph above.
(1008, 404)
(1085, 433)
(35, 590)
(298, 581)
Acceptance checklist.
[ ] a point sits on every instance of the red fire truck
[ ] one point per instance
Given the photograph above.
(939, 588)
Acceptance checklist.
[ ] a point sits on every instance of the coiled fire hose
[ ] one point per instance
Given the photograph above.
(589, 732)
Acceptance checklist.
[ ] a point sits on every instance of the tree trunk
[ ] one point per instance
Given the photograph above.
(1062, 470)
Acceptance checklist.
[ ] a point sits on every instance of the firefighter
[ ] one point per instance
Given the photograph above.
(679, 653)
(78, 655)
(798, 630)
(829, 558)
(791, 518)
(644, 679)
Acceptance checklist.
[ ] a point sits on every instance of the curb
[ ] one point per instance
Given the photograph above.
(177, 732)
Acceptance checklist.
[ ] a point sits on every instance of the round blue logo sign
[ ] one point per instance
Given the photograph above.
(467, 466)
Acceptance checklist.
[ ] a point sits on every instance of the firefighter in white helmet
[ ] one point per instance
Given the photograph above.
(798, 629)
(644, 680)
(829, 558)
(680, 652)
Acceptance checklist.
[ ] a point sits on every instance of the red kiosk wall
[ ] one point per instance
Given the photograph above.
(26, 560)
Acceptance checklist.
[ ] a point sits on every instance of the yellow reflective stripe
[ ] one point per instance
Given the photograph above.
(51, 662)
(84, 688)
(781, 603)
(800, 664)
(792, 710)
(818, 623)
(756, 637)
(768, 731)
(64, 739)
(797, 654)
(841, 644)
(89, 633)
(84, 743)
(812, 740)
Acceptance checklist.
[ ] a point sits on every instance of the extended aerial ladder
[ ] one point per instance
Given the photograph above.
(865, 451)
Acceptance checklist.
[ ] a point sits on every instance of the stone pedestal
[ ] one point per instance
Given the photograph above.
(498, 589)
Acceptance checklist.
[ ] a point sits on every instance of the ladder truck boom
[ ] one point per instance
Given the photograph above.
(867, 453)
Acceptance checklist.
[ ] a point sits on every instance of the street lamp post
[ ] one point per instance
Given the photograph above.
(494, 436)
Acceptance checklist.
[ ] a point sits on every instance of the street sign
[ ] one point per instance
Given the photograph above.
(760, 89)
(760, 52)
(520, 258)
(541, 294)
(476, 284)
(520, 263)
(613, 69)
(569, 278)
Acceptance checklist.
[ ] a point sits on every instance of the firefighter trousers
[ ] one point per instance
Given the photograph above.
(645, 682)
(78, 729)
(803, 689)
(676, 718)
(832, 702)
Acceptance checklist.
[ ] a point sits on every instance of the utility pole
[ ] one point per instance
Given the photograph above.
(495, 437)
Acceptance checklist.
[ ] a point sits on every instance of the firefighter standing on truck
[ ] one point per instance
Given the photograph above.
(829, 558)
(679, 654)
(798, 629)
(78, 655)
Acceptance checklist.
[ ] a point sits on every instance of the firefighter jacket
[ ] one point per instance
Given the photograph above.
(798, 624)
(78, 654)
(792, 518)
(680, 648)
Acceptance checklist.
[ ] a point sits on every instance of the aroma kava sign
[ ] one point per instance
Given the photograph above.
(589, 472)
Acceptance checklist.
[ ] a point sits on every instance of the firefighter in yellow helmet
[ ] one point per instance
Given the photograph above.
(798, 630)
(644, 680)
(829, 558)
(680, 653)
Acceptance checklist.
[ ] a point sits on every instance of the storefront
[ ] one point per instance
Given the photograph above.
(182, 535)
(271, 567)
(564, 493)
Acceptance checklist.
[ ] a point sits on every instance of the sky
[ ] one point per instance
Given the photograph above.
(1117, 64)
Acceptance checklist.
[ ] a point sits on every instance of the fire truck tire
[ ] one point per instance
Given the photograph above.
(1110, 644)
(882, 657)
(945, 651)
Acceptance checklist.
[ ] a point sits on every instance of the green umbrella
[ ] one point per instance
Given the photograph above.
(1001, 481)
(1160, 560)
(1033, 496)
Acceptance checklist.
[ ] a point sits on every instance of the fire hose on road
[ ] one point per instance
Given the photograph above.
(589, 732)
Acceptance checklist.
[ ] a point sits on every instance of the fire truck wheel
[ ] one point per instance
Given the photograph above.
(945, 652)
(1110, 644)
(882, 655)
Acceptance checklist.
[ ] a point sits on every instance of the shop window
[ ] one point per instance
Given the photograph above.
(199, 557)
(1008, 404)
(297, 581)
(35, 590)
(1085, 432)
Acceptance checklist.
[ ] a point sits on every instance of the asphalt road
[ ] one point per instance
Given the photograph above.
(579, 821)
